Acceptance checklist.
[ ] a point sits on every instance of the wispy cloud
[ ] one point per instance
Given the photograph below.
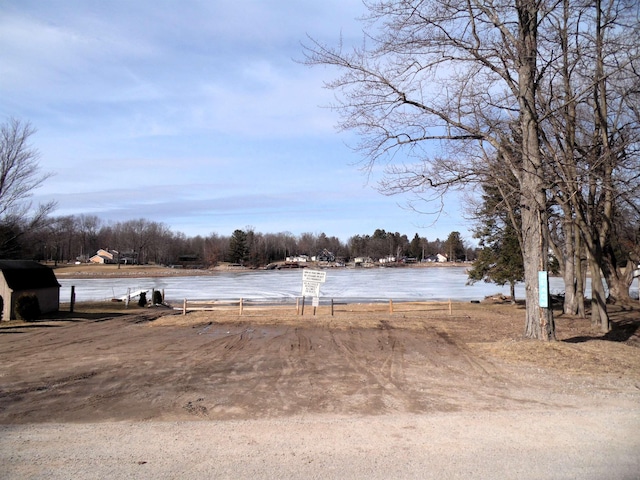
(192, 113)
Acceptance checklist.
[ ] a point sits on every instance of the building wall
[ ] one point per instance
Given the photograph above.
(5, 293)
(48, 299)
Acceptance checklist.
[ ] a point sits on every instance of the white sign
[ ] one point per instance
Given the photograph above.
(315, 302)
(543, 289)
(314, 276)
(310, 289)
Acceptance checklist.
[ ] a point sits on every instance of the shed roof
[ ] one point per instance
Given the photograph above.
(26, 275)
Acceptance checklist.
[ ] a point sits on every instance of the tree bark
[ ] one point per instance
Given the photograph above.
(568, 259)
(618, 280)
(539, 322)
(599, 315)
(581, 278)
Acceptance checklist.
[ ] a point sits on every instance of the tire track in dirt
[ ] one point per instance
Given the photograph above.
(381, 376)
(47, 386)
(494, 384)
(122, 369)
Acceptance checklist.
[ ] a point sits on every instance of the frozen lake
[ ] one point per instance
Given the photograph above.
(347, 285)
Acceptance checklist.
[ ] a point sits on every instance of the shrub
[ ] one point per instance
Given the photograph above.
(157, 297)
(142, 302)
(27, 307)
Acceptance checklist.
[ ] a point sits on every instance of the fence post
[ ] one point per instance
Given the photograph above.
(332, 307)
(297, 306)
(449, 307)
(73, 298)
(184, 307)
(128, 299)
(241, 306)
(302, 306)
(390, 307)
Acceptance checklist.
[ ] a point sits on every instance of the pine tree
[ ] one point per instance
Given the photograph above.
(500, 258)
(238, 249)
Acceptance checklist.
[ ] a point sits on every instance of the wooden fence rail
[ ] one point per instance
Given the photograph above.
(240, 304)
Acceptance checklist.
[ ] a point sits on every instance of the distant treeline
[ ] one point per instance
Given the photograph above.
(78, 237)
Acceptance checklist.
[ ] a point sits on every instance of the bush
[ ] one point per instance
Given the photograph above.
(27, 307)
(142, 302)
(157, 297)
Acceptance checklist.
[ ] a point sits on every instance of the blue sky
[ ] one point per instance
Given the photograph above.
(194, 113)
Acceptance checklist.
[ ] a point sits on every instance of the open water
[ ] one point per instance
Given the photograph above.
(342, 285)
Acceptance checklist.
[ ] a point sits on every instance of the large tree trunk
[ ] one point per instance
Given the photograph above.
(602, 207)
(581, 277)
(570, 306)
(599, 315)
(539, 322)
(618, 280)
(535, 244)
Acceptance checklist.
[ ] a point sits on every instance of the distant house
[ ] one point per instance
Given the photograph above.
(326, 256)
(298, 259)
(128, 258)
(363, 262)
(19, 277)
(439, 258)
(189, 261)
(104, 256)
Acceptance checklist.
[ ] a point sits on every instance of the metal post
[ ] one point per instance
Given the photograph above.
(73, 298)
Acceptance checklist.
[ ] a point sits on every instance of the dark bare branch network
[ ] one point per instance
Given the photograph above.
(20, 175)
(20, 172)
(444, 91)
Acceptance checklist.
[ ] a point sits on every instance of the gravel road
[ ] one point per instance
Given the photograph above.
(575, 444)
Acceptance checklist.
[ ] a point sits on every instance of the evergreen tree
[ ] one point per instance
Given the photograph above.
(238, 248)
(454, 247)
(500, 258)
(415, 247)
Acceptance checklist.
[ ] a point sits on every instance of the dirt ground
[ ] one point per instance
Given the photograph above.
(157, 364)
(105, 365)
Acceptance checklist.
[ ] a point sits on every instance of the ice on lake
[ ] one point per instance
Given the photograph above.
(349, 285)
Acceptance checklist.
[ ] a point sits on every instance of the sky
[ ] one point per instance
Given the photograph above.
(197, 114)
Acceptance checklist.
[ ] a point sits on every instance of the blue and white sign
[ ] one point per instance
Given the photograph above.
(543, 289)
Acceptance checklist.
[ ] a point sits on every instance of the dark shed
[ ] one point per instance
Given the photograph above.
(27, 277)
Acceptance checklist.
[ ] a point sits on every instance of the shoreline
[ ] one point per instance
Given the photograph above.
(150, 271)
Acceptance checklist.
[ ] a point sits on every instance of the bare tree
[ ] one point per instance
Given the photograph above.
(20, 171)
(20, 175)
(590, 131)
(442, 83)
